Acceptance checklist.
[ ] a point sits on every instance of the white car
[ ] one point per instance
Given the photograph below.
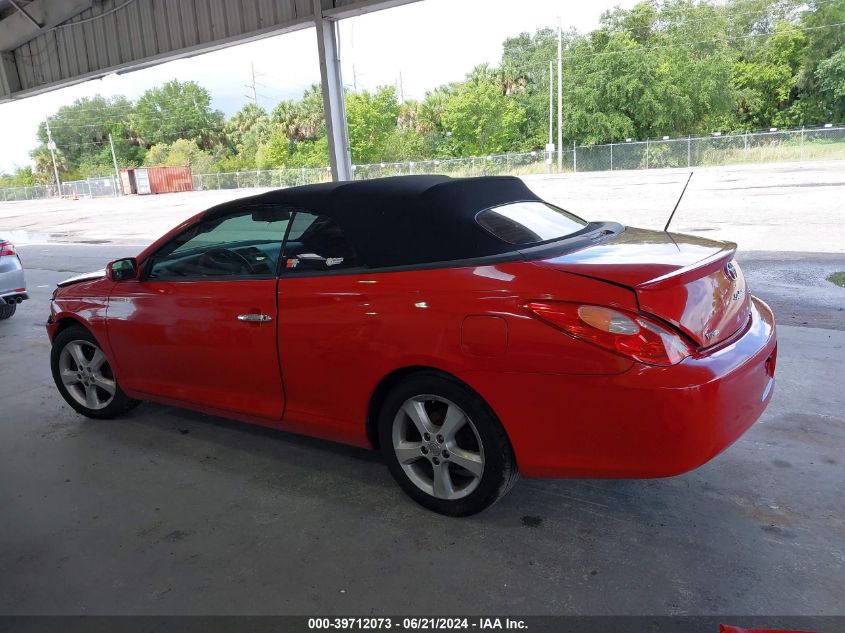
(12, 281)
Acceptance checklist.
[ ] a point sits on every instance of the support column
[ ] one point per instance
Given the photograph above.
(9, 80)
(333, 102)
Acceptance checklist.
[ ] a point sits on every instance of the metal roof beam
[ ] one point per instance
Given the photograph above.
(360, 7)
(39, 16)
(23, 11)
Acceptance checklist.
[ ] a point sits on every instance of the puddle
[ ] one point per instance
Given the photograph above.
(26, 237)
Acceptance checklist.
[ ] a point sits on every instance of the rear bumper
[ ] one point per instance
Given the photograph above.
(12, 279)
(646, 422)
(14, 297)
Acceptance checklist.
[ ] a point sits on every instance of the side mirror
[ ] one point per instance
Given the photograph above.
(123, 269)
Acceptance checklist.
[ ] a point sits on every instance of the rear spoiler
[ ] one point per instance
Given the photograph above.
(707, 265)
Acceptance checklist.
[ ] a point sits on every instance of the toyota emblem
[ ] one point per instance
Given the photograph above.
(730, 271)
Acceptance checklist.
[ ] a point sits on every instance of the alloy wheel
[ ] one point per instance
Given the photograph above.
(86, 374)
(438, 447)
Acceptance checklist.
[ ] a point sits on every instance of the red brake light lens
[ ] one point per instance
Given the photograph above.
(631, 335)
(7, 248)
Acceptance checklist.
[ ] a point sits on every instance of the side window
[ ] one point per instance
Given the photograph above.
(317, 243)
(244, 244)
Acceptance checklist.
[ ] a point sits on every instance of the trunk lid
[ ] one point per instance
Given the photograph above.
(691, 282)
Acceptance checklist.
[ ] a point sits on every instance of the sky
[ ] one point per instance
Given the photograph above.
(426, 43)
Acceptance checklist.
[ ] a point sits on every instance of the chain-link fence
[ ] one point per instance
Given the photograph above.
(265, 178)
(106, 187)
(823, 143)
(37, 192)
(826, 143)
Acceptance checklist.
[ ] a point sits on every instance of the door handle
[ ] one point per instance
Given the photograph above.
(255, 318)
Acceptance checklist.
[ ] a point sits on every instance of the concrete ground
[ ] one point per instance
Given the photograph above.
(173, 512)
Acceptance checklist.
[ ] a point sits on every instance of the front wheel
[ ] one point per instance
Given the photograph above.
(444, 445)
(84, 377)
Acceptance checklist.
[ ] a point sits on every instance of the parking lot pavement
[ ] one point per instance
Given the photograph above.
(173, 512)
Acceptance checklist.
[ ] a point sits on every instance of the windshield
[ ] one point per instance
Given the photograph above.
(529, 222)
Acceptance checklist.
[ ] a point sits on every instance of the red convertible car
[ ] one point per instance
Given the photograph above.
(464, 327)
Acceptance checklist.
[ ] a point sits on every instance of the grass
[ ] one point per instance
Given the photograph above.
(837, 278)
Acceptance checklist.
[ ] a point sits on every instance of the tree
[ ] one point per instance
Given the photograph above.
(301, 120)
(43, 160)
(177, 110)
(181, 152)
(830, 76)
(767, 83)
(525, 70)
(282, 152)
(248, 129)
(185, 152)
(157, 155)
(81, 130)
(479, 117)
(656, 70)
(20, 177)
(372, 119)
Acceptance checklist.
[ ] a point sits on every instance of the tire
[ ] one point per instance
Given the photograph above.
(464, 464)
(7, 310)
(83, 376)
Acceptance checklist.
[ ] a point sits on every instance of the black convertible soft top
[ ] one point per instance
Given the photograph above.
(404, 220)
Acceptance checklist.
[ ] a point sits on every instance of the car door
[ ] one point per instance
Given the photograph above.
(326, 329)
(199, 326)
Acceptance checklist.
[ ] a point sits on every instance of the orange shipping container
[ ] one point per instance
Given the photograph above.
(170, 179)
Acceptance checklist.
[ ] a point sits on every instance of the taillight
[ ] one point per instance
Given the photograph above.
(7, 248)
(626, 333)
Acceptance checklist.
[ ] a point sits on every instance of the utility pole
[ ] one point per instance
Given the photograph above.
(551, 101)
(550, 146)
(253, 85)
(52, 147)
(116, 170)
(559, 97)
(401, 88)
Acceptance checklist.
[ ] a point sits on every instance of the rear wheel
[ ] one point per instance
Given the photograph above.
(84, 376)
(7, 310)
(444, 446)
